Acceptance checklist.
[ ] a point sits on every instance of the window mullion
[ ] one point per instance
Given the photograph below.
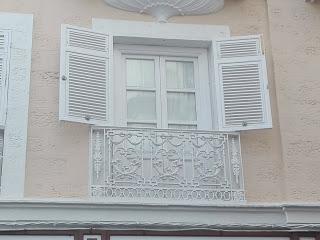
(121, 90)
(163, 96)
(158, 91)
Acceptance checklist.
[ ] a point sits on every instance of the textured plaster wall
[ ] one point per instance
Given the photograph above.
(295, 35)
(57, 152)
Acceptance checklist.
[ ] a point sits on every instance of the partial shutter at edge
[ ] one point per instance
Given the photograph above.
(85, 76)
(4, 54)
(242, 84)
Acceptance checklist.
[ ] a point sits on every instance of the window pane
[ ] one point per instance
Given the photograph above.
(181, 107)
(141, 105)
(179, 74)
(140, 73)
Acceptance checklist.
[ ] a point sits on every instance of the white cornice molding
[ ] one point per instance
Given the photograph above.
(41, 214)
(164, 9)
(156, 31)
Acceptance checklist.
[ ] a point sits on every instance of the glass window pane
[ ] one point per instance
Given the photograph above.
(181, 107)
(141, 105)
(179, 74)
(140, 73)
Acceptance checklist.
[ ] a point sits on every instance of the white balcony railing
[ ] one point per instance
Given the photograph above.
(166, 166)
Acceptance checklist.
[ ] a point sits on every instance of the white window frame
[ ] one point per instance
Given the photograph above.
(198, 55)
(198, 62)
(169, 35)
(183, 35)
(155, 89)
(16, 124)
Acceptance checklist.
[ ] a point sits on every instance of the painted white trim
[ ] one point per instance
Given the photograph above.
(5, 55)
(260, 60)
(65, 50)
(15, 137)
(170, 35)
(56, 214)
(170, 32)
(199, 57)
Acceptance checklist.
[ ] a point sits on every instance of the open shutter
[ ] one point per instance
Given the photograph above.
(1, 153)
(4, 54)
(85, 76)
(242, 84)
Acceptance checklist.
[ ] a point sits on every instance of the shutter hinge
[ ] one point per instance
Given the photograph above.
(63, 78)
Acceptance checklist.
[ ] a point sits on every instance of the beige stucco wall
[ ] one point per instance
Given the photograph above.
(295, 35)
(57, 152)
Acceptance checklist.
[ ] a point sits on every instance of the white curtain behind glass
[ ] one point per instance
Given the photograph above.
(141, 92)
(181, 101)
(178, 104)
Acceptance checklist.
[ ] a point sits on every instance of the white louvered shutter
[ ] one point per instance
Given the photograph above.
(4, 55)
(242, 84)
(1, 153)
(85, 76)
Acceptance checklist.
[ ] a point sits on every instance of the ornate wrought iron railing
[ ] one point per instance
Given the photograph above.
(166, 166)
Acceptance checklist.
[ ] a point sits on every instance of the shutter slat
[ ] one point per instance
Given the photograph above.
(3, 41)
(243, 106)
(1, 73)
(242, 85)
(94, 76)
(2, 84)
(87, 57)
(84, 78)
(253, 96)
(86, 86)
(87, 40)
(75, 95)
(238, 48)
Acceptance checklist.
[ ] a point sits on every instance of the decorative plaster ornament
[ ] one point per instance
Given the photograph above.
(164, 9)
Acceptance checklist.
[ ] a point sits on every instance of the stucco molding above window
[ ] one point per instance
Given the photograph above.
(164, 9)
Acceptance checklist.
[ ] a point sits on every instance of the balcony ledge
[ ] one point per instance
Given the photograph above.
(71, 214)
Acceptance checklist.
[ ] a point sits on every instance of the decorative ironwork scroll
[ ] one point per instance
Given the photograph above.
(166, 166)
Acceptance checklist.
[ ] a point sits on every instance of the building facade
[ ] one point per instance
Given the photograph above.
(116, 126)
